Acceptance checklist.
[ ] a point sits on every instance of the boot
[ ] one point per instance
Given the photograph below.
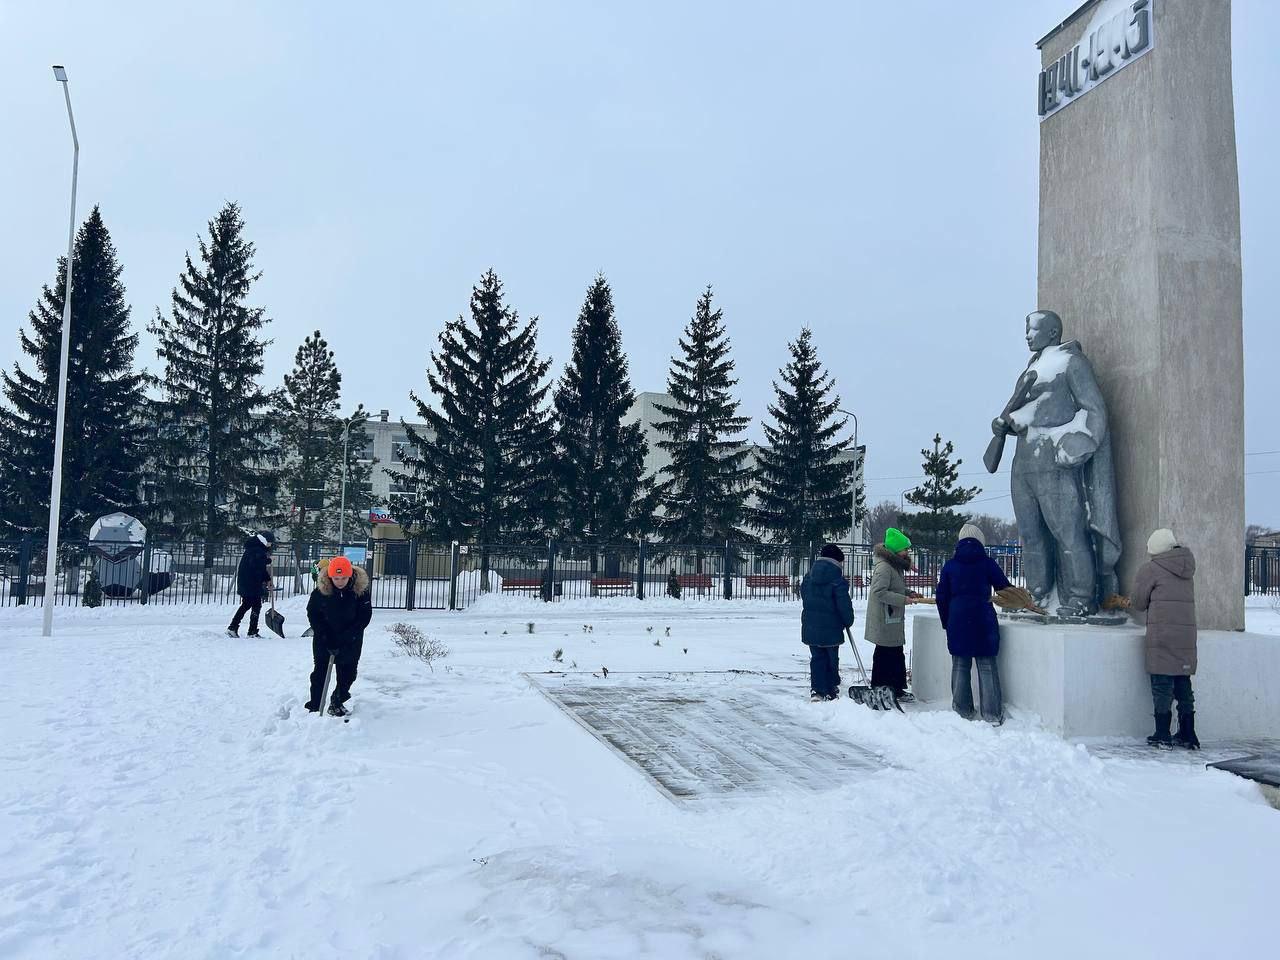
(336, 709)
(1162, 738)
(1186, 735)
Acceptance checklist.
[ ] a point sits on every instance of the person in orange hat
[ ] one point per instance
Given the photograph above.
(338, 611)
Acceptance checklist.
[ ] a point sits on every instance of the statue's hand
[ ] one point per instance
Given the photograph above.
(1074, 449)
(999, 427)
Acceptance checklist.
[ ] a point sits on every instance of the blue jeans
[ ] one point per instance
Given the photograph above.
(1165, 688)
(989, 694)
(824, 671)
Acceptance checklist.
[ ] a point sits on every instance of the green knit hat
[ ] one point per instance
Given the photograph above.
(895, 541)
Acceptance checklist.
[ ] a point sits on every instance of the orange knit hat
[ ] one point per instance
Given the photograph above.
(339, 567)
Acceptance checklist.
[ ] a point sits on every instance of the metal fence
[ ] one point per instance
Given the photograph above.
(408, 575)
(1261, 570)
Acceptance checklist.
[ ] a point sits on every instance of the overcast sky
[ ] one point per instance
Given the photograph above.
(867, 169)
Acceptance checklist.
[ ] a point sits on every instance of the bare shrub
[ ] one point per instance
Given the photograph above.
(412, 642)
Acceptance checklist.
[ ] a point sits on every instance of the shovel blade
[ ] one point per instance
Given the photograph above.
(275, 622)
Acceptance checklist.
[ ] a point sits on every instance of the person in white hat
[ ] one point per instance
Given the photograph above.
(1165, 590)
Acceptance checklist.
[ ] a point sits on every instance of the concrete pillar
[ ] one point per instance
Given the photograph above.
(1140, 255)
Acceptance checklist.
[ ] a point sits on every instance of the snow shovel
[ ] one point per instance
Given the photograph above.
(877, 698)
(275, 619)
(324, 691)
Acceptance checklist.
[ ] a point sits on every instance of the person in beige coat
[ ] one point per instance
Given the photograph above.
(887, 600)
(1165, 590)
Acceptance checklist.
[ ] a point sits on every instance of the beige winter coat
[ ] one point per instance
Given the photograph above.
(887, 600)
(1165, 589)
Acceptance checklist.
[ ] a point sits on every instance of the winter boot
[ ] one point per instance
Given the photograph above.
(336, 709)
(311, 706)
(1186, 735)
(815, 697)
(233, 632)
(1162, 737)
(255, 634)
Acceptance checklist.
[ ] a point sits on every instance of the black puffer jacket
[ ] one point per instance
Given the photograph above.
(254, 570)
(338, 617)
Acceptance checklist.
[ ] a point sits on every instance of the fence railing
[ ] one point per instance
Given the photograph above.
(415, 574)
(1262, 570)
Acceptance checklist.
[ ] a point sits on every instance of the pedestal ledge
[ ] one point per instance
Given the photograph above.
(1091, 681)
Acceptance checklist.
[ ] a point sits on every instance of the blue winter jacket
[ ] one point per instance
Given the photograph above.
(827, 608)
(964, 601)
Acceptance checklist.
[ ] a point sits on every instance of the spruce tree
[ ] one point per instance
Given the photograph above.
(938, 523)
(484, 473)
(359, 498)
(105, 432)
(311, 435)
(802, 487)
(703, 491)
(599, 458)
(216, 445)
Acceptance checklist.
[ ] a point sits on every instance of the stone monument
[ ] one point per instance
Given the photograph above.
(1062, 481)
(1139, 252)
(1140, 256)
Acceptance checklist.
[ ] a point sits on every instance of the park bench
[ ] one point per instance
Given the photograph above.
(919, 581)
(605, 586)
(696, 581)
(768, 582)
(517, 584)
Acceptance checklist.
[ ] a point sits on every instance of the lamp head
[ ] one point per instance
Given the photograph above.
(60, 73)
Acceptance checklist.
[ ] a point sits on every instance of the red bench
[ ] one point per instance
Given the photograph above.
(696, 581)
(514, 584)
(768, 582)
(603, 586)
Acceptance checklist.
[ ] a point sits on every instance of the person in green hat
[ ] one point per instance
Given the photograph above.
(887, 601)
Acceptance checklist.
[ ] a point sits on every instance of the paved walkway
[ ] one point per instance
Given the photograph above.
(701, 735)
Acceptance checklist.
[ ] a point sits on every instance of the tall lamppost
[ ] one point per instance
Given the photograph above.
(55, 494)
(857, 474)
(346, 436)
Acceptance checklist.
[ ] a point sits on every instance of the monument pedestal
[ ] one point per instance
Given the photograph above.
(1088, 681)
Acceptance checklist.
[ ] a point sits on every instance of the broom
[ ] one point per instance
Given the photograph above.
(1017, 598)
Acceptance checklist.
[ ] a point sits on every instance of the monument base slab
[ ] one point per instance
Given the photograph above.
(1089, 681)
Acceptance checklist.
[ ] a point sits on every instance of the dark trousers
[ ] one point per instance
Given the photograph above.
(824, 671)
(889, 668)
(1166, 688)
(989, 696)
(246, 605)
(345, 660)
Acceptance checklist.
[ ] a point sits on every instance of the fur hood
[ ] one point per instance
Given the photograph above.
(359, 579)
(888, 556)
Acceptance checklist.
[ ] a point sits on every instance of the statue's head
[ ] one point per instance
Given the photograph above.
(1044, 329)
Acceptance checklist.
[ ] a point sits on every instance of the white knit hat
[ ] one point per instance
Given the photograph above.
(1162, 541)
(972, 531)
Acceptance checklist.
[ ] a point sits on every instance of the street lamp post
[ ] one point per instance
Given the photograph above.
(55, 494)
(342, 515)
(857, 473)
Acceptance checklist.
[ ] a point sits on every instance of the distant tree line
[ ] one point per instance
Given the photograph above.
(202, 448)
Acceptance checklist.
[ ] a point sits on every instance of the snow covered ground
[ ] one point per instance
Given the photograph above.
(163, 795)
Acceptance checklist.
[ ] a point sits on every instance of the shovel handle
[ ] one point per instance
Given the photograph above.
(324, 690)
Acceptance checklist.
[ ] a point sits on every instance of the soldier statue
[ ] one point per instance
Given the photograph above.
(1063, 477)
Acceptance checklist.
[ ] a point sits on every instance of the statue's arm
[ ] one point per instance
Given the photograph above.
(1006, 423)
(1084, 387)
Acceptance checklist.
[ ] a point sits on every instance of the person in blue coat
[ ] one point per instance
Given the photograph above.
(964, 604)
(827, 612)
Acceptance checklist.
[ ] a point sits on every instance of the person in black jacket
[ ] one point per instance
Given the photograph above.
(253, 581)
(338, 611)
(827, 612)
